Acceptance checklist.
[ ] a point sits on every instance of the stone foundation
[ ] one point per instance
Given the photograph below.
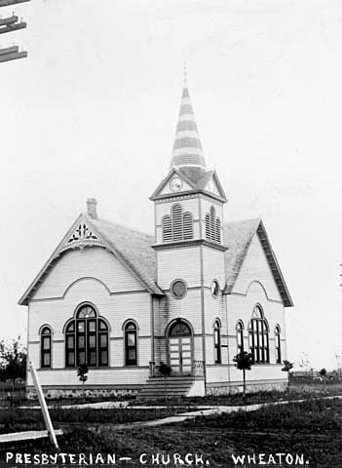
(231, 389)
(56, 394)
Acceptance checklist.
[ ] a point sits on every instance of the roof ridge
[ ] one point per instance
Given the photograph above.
(115, 224)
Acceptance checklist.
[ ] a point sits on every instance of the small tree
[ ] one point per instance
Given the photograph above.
(82, 372)
(13, 358)
(288, 366)
(165, 371)
(244, 361)
(323, 374)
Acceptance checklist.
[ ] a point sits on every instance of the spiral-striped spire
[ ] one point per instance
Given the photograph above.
(187, 149)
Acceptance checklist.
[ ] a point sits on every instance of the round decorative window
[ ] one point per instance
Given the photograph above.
(178, 289)
(215, 288)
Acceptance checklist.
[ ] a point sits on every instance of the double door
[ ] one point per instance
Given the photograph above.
(180, 355)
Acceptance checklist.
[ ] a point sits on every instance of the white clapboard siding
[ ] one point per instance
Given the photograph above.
(181, 263)
(188, 308)
(213, 266)
(188, 204)
(116, 309)
(255, 268)
(117, 351)
(90, 262)
(68, 377)
(241, 308)
(198, 348)
(214, 309)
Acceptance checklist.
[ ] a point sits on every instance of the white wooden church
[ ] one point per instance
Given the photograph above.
(192, 296)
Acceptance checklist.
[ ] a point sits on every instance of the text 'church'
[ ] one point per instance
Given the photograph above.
(193, 296)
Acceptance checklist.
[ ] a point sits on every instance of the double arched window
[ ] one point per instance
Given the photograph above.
(86, 339)
(45, 347)
(217, 342)
(239, 337)
(178, 225)
(212, 226)
(277, 344)
(131, 354)
(258, 336)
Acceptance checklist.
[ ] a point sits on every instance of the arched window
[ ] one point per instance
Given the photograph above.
(86, 339)
(45, 347)
(217, 342)
(131, 358)
(179, 226)
(212, 226)
(277, 344)
(239, 337)
(258, 336)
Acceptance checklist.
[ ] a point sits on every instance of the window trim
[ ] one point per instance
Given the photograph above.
(86, 332)
(239, 333)
(171, 288)
(277, 339)
(45, 352)
(258, 335)
(134, 331)
(217, 341)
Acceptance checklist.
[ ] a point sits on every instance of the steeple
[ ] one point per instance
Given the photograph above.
(187, 149)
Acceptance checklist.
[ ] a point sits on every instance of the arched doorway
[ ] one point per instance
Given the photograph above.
(180, 348)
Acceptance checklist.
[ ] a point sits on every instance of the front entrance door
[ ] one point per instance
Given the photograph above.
(180, 349)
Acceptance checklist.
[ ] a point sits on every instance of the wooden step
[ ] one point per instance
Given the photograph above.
(175, 387)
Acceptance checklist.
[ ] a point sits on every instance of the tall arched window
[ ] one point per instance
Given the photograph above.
(178, 226)
(217, 342)
(258, 336)
(45, 347)
(86, 339)
(239, 337)
(277, 344)
(131, 355)
(212, 226)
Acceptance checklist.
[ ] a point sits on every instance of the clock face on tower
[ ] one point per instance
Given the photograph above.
(176, 184)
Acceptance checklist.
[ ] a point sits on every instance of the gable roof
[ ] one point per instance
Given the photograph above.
(237, 237)
(196, 177)
(131, 247)
(134, 250)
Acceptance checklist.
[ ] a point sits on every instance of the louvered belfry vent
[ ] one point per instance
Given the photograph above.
(178, 226)
(212, 226)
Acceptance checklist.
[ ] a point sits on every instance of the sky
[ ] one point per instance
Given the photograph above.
(92, 113)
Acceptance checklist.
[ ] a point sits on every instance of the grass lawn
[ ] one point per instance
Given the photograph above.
(312, 428)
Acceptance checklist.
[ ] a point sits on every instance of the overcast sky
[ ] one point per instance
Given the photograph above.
(92, 113)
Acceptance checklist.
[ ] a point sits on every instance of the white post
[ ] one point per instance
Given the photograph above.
(43, 405)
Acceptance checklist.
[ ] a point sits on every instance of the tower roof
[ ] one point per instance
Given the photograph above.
(187, 149)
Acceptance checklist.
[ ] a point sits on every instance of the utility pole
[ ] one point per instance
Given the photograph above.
(10, 24)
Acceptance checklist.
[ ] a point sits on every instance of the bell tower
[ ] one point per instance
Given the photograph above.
(189, 237)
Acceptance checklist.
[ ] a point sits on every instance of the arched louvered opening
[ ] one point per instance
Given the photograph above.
(179, 226)
(207, 226)
(218, 231)
(167, 229)
(188, 226)
(212, 226)
(177, 223)
(212, 223)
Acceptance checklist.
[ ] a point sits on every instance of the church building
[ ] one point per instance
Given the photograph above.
(192, 296)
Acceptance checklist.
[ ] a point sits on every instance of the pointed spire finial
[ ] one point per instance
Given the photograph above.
(187, 149)
(185, 74)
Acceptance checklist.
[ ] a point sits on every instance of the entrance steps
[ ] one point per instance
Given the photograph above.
(175, 387)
